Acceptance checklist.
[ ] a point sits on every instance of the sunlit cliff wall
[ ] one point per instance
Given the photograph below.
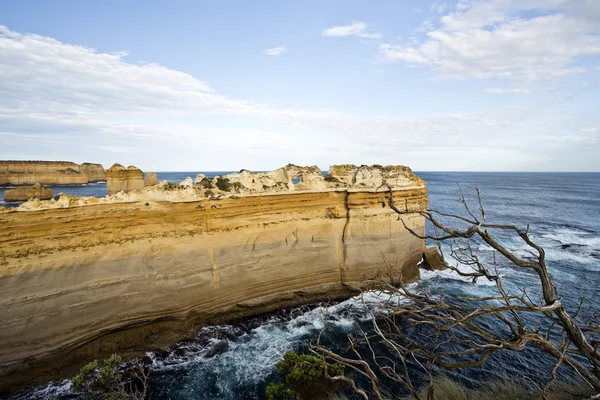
(49, 173)
(81, 278)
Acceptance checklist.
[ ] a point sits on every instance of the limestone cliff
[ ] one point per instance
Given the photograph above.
(121, 179)
(95, 172)
(49, 173)
(81, 278)
(36, 191)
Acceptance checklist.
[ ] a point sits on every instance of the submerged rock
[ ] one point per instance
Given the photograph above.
(222, 346)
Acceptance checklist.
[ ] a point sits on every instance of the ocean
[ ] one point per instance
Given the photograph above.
(237, 361)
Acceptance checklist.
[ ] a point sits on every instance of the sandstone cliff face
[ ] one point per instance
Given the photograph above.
(119, 178)
(49, 173)
(30, 192)
(80, 279)
(95, 172)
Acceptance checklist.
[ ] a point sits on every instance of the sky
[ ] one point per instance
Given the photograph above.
(483, 85)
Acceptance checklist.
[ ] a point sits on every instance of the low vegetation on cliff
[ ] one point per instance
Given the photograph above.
(109, 380)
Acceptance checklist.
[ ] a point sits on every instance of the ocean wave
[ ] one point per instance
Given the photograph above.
(52, 390)
(230, 356)
(574, 237)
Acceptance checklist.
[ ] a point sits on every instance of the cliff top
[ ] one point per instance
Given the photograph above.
(286, 180)
(37, 162)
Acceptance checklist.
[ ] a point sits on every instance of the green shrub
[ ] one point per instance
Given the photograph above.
(206, 183)
(223, 184)
(108, 376)
(281, 392)
(208, 193)
(107, 383)
(84, 375)
(298, 369)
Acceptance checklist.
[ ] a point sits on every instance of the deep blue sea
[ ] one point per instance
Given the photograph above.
(237, 361)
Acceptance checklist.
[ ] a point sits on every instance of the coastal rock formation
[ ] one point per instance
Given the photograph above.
(95, 172)
(150, 179)
(187, 182)
(119, 178)
(81, 278)
(432, 259)
(36, 191)
(49, 173)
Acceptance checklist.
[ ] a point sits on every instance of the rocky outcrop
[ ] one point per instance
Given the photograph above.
(95, 172)
(151, 179)
(81, 278)
(432, 260)
(121, 179)
(17, 173)
(36, 191)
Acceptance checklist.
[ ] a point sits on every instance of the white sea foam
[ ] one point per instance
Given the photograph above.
(574, 237)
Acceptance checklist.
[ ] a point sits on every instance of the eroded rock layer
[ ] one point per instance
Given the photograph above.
(80, 280)
(25, 193)
(121, 179)
(95, 172)
(49, 173)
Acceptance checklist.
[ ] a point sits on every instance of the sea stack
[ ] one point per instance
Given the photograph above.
(95, 172)
(121, 179)
(151, 179)
(25, 193)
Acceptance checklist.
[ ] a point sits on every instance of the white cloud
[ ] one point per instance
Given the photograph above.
(356, 28)
(438, 6)
(590, 85)
(525, 40)
(507, 91)
(60, 100)
(275, 51)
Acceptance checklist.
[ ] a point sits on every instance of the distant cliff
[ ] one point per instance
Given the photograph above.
(49, 173)
(81, 278)
(24, 193)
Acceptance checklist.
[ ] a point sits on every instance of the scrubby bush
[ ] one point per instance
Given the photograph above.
(206, 183)
(281, 392)
(304, 368)
(109, 381)
(223, 184)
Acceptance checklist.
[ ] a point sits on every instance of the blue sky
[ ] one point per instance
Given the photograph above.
(199, 85)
